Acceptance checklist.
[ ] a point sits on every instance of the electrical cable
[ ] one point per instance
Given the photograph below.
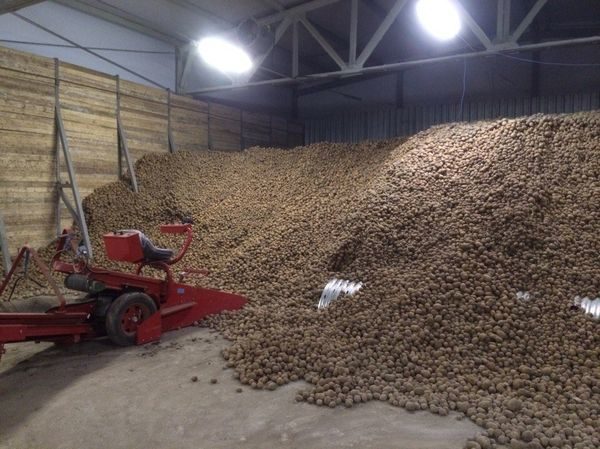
(104, 58)
(533, 61)
(566, 64)
(46, 44)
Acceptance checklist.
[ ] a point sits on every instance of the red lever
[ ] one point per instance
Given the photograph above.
(174, 228)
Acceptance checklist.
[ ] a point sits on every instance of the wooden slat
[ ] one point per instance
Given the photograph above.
(88, 122)
(15, 141)
(129, 88)
(26, 62)
(255, 118)
(8, 105)
(224, 134)
(142, 107)
(225, 112)
(183, 102)
(26, 123)
(34, 88)
(257, 133)
(88, 77)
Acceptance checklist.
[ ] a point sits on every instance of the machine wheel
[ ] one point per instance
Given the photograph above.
(125, 315)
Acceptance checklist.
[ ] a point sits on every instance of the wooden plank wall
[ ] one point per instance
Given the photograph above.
(88, 101)
(26, 146)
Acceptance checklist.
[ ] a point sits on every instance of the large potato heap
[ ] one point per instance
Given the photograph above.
(444, 230)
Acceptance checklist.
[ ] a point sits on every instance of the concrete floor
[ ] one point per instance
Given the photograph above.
(95, 396)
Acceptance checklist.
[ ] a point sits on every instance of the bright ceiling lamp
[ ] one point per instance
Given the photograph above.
(223, 55)
(439, 17)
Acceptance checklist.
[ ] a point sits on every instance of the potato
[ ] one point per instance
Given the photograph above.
(443, 229)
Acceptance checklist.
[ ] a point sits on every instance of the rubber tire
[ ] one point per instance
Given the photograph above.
(114, 330)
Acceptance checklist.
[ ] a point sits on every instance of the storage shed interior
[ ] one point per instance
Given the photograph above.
(300, 223)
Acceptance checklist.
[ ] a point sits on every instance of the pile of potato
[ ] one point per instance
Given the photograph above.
(443, 229)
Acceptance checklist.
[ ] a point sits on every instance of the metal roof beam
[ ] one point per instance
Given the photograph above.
(273, 4)
(129, 21)
(406, 64)
(375, 8)
(533, 12)
(198, 10)
(295, 54)
(340, 82)
(353, 33)
(295, 11)
(380, 32)
(14, 5)
(323, 43)
(474, 26)
(503, 21)
(106, 12)
(279, 32)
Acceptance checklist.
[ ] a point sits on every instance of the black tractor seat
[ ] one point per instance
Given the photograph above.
(152, 253)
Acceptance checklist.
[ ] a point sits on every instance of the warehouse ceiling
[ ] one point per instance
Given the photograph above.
(324, 31)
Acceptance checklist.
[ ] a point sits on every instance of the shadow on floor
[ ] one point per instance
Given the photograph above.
(37, 375)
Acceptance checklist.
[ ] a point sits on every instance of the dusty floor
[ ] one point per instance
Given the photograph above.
(94, 395)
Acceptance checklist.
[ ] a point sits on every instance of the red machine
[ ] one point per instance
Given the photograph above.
(128, 307)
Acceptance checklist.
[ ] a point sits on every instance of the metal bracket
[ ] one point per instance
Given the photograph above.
(6, 262)
(76, 210)
(122, 143)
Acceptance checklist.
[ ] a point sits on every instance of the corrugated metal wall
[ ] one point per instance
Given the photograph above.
(383, 123)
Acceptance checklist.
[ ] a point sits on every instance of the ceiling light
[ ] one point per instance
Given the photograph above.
(223, 55)
(439, 17)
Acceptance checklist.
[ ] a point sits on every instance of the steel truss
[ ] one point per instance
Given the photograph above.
(354, 65)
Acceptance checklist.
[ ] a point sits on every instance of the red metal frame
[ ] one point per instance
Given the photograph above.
(178, 305)
(27, 251)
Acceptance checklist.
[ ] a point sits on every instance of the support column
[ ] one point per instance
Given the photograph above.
(76, 209)
(503, 21)
(6, 262)
(295, 55)
(169, 133)
(353, 33)
(123, 148)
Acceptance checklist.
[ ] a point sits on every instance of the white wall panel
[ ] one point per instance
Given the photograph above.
(90, 31)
